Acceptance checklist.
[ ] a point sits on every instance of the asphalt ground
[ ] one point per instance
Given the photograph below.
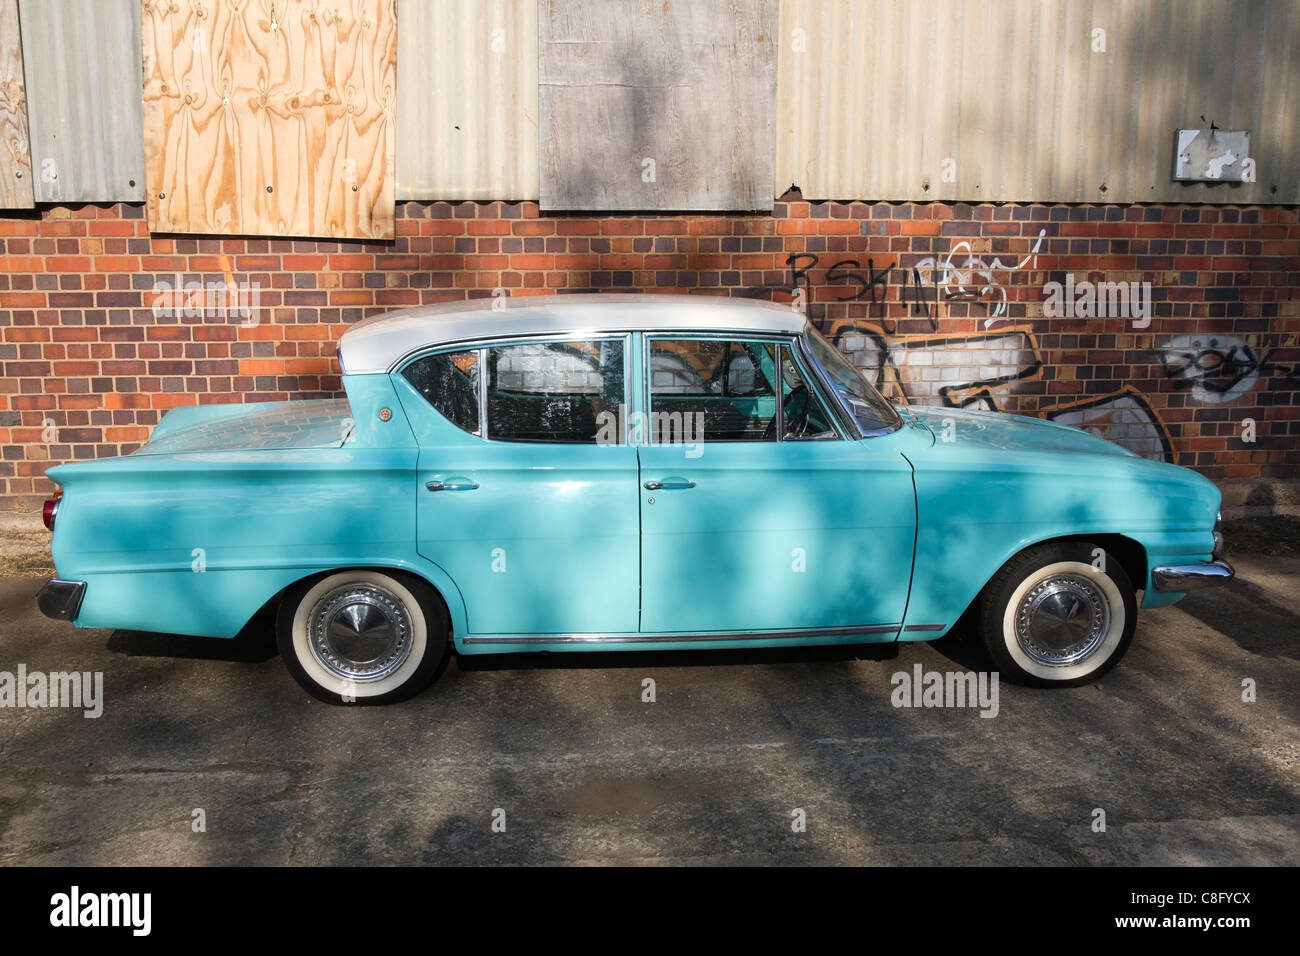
(772, 757)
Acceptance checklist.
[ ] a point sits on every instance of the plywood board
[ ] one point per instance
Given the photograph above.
(81, 61)
(657, 105)
(270, 117)
(15, 162)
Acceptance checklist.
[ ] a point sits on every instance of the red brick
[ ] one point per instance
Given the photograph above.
(117, 263)
(533, 227)
(923, 227)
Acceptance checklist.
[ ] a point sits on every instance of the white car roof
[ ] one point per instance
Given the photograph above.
(379, 343)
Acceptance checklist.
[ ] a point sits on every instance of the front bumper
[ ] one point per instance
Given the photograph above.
(61, 600)
(1191, 577)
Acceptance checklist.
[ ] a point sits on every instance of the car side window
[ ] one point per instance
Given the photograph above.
(554, 391)
(803, 416)
(713, 389)
(449, 382)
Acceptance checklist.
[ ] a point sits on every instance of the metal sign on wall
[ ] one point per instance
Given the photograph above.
(271, 119)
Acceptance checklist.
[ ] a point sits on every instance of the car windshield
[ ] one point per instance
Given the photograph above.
(867, 405)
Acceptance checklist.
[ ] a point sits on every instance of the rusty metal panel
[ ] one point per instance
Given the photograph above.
(273, 119)
(467, 99)
(15, 157)
(1033, 100)
(81, 60)
(657, 106)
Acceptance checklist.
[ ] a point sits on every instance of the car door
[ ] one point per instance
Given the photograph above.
(759, 515)
(527, 493)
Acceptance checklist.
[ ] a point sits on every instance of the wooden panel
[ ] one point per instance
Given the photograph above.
(657, 106)
(82, 66)
(15, 159)
(270, 117)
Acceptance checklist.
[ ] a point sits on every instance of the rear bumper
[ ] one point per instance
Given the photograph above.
(1191, 577)
(61, 600)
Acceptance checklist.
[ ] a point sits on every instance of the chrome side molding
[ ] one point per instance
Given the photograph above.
(669, 638)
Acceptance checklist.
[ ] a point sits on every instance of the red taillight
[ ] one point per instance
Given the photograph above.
(50, 510)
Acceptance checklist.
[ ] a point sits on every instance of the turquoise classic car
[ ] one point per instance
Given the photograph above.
(596, 472)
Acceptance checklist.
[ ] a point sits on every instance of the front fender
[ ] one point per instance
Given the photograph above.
(977, 511)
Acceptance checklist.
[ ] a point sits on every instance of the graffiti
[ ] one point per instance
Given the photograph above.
(958, 276)
(1123, 417)
(978, 370)
(873, 284)
(953, 279)
(959, 371)
(1217, 369)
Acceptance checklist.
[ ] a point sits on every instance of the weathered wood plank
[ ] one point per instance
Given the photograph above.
(273, 117)
(657, 105)
(15, 151)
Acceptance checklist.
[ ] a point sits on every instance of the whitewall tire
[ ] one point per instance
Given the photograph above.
(362, 636)
(1059, 614)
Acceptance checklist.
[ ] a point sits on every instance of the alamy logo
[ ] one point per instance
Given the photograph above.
(226, 299)
(952, 689)
(660, 428)
(1099, 300)
(74, 908)
(84, 690)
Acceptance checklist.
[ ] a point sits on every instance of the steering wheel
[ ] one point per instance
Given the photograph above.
(795, 411)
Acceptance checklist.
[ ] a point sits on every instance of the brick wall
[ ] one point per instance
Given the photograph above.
(941, 303)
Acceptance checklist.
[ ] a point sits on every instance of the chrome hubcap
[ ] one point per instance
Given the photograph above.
(360, 632)
(1062, 620)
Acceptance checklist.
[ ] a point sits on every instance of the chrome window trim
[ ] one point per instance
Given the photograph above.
(470, 343)
(375, 344)
(482, 394)
(779, 383)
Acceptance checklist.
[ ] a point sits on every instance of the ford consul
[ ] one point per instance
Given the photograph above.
(618, 472)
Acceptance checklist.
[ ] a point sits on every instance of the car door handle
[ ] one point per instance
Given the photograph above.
(668, 483)
(451, 484)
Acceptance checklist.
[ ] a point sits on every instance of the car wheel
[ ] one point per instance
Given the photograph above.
(1058, 615)
(362, 636)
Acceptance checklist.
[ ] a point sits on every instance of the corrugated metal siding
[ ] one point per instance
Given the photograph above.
(1012, 92)
(81, 60)
(467, 99)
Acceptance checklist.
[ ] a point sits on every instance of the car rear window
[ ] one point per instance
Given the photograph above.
(449, 382)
